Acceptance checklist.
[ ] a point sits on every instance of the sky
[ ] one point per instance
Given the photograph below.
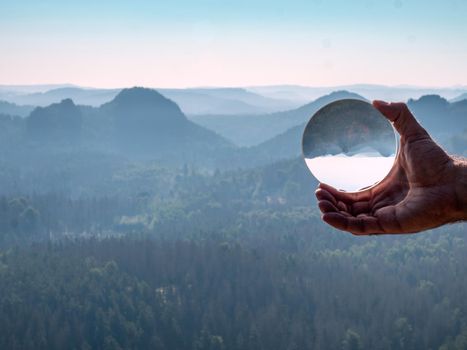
(182, 43)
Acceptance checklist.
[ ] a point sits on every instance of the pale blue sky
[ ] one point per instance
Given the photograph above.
(233, 43)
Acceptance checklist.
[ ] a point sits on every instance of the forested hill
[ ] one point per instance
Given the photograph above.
(146, 123)
(57, 124)
(137, 123)
(440, 116)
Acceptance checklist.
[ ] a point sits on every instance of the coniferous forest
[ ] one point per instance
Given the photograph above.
(109, 241)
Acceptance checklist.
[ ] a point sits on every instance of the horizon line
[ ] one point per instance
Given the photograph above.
(400, 86)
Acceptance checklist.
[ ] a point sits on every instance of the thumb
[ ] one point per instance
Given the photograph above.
(401, 117)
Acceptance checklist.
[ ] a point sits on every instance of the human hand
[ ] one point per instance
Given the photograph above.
(419, 193)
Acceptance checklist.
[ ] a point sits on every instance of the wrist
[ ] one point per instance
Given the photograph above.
(460, 185)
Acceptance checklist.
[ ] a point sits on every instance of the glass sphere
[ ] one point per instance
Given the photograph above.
(349, 145)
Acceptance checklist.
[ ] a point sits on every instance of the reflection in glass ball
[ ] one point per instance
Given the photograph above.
(349, 145)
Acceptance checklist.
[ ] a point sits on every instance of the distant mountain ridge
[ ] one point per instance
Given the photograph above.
(459, 98)
(9, 108)
(446, 122)
(250, 130)
(191, 100)
(398, 93)
(229, 101)
(81, 96)
(142, 125)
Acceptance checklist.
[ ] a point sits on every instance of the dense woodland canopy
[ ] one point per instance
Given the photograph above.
(108, 247)
(266, 291)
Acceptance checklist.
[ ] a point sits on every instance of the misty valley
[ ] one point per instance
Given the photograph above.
(186, 219)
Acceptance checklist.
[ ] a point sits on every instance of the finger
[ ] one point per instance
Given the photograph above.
(336, 220)
(358, 208)
(361, 225)
(401, 117)
(325, 195)
(326, 206)
(342, 206)
(347, 197)
(364, 225)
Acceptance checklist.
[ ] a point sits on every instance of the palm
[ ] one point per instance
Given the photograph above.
(404, 201)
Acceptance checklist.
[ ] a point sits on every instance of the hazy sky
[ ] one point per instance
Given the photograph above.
(233, 43)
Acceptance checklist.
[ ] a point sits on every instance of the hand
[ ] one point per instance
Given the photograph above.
(418, 194)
